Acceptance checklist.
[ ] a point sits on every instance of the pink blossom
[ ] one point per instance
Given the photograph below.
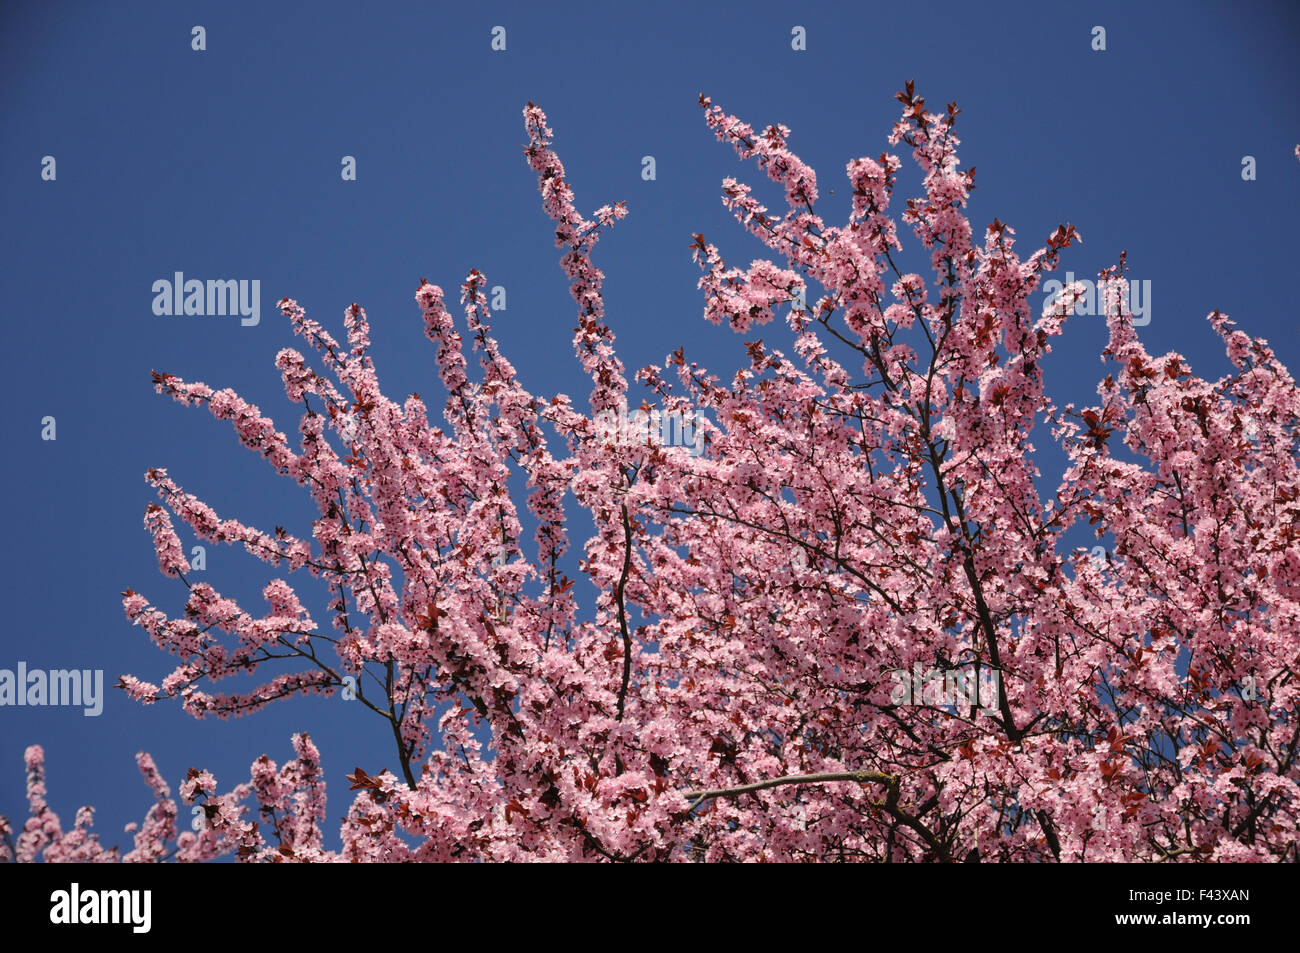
(759, 659)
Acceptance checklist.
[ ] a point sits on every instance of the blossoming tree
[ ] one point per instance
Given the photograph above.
(865, 506)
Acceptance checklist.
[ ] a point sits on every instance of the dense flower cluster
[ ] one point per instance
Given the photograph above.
(864, 508)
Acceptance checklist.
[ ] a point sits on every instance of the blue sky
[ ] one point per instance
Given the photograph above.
(225, 163)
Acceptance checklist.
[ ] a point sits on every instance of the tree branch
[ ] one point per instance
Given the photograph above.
(862, 777)
(622, 613)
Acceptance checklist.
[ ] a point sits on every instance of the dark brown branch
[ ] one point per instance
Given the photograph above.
(619, 598)
(862, 777)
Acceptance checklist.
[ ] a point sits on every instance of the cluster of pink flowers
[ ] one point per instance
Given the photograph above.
(865, 507)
